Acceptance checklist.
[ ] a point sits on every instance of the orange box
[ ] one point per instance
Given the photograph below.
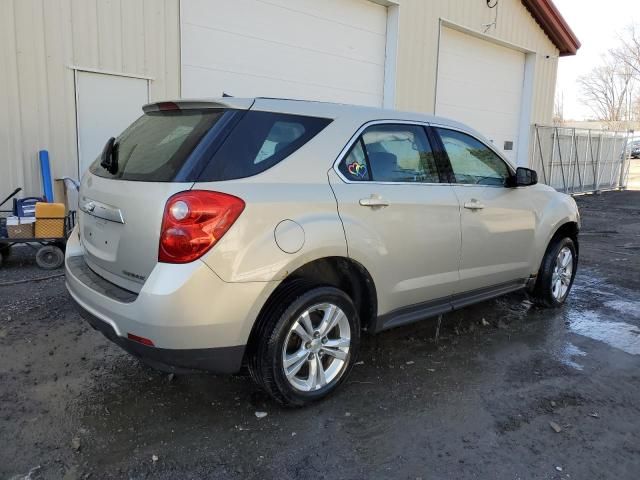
(50, 220)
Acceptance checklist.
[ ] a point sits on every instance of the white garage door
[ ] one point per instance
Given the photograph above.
(330, 50)
(480, 84)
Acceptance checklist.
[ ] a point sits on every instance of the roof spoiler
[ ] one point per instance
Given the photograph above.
(227, 102)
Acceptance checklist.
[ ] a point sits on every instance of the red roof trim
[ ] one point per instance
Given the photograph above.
(554, 25)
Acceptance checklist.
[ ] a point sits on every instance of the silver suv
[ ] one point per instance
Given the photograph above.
(272, 233)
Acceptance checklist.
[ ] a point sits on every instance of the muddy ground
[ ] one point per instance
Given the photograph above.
(477, 404)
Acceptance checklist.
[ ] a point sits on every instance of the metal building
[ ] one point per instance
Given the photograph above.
(75, 72)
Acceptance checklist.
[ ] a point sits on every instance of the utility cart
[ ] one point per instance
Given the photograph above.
(46, 236)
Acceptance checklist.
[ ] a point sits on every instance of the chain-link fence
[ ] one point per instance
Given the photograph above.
(575, 160)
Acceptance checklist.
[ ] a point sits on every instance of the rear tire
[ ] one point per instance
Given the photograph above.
(557, 272)
(5, 251)
(306, 344)
(49, 257)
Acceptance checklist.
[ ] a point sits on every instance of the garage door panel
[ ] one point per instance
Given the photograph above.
(203, 83)
(480, 83)
(252, 52)
(332, 45)
(502, 81)
(361, 14)
(464, 91)
(310, 32)
(501, 123)
(309, 68)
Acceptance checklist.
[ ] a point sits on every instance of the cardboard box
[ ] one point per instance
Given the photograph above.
(49, 220)
(20, 231)
(60, 192)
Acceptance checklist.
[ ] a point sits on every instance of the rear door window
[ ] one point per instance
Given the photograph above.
(391, 153)
(259, 141)
(157, 145)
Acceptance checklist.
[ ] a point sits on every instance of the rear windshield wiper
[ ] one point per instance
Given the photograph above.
(109, 156)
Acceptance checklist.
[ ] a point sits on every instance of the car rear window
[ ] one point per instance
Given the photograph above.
(157, 145)
(207, 145)
(259, 141)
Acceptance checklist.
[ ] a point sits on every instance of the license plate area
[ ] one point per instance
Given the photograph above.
(101, 238)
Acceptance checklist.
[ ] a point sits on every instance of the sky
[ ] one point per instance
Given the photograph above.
(597, 24)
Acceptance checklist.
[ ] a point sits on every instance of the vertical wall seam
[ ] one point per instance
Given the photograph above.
(23, 160)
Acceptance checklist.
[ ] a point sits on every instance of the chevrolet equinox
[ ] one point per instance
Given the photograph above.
(268, 233)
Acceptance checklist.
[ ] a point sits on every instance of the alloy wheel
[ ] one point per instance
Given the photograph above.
(562, 273)
(316, 350)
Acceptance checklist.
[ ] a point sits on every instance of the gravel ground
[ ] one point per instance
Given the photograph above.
(509, 391)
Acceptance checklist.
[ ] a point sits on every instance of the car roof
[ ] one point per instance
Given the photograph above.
(356, 113)
(310, 108)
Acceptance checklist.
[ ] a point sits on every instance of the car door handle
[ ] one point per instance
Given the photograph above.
(374, 201)
(474, 205)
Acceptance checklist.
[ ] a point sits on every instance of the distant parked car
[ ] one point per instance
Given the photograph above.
(271, 233)
(634, 149)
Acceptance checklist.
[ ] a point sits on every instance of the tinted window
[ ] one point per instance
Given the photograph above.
(259, 141)
(156, 146)
(472, 161)
(391, 153)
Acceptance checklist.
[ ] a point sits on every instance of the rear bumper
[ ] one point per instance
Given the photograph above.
(217, 360)
(194, 319)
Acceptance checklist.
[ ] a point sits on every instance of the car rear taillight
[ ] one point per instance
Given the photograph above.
(193, 222)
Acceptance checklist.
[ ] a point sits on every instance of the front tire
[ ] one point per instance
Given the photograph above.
(557, 272)
(307, 344)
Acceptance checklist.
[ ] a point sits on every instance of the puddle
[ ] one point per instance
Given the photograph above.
(625, 307)
(621, 335)
(567, 353)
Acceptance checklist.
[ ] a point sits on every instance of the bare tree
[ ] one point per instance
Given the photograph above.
(605, 89)
(629, 51)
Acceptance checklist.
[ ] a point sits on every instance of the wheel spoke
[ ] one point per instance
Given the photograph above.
(563, 290)
(305, 321)
(321, 378)
(302, 333)
(566, 258)
(293, 363)
(313, 373)
(334, 352)
(332, 316)
(337, 343)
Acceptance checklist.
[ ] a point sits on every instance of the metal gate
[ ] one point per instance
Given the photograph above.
(576, 160)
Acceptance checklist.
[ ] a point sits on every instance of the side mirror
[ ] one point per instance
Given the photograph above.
(524, 177)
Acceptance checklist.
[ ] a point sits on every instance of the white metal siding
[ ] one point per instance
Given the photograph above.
(40, 40)
(331, 50)
(480, 84)
(418, 48)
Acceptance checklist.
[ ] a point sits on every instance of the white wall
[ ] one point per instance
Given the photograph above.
(40, 40)
(329, 50)
(418, 48)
